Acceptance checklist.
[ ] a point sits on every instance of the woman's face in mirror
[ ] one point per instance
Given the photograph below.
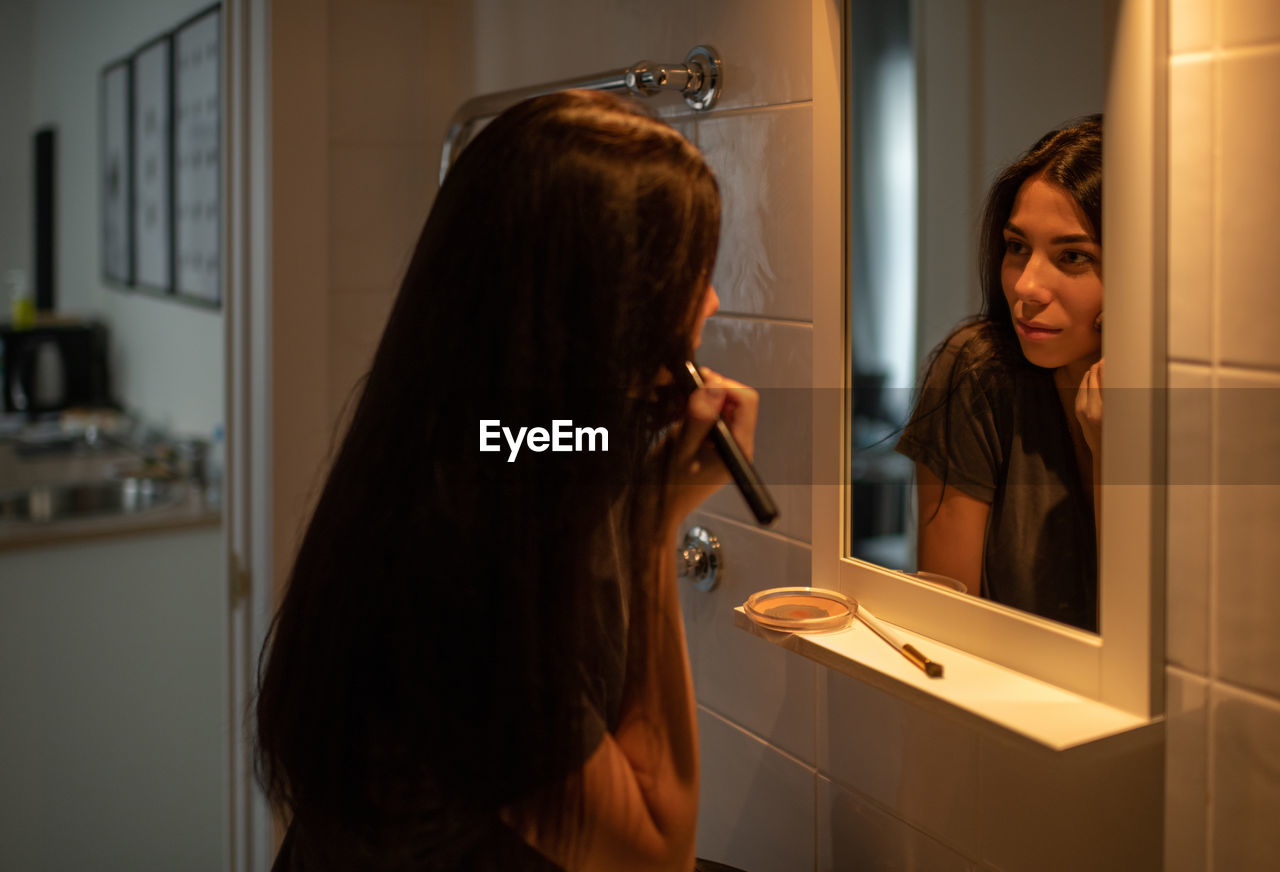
(1052, 277)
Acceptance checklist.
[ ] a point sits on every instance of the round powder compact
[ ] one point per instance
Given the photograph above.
(801, 609)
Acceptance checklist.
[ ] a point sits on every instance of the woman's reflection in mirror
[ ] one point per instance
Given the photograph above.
(1006, 430)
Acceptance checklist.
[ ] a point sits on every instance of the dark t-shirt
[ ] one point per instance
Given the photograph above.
(480, 841)
(493, 847)
(996, 430)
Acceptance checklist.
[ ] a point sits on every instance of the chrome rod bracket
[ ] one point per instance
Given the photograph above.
(699, 80)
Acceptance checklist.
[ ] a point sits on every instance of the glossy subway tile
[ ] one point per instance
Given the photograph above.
(1246, 780)
(765, 688)
(1186, 771)
(756, 810)
(853, 834)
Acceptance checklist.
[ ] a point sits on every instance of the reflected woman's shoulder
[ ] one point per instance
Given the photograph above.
(972, 345)
(974, 359)
(972, 339)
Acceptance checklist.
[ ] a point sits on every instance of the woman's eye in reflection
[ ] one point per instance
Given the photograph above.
(1074, 258)
(1015, 246)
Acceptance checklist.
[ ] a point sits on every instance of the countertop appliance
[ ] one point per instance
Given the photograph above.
(54, 365)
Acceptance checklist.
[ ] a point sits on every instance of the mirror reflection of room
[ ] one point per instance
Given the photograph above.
(942, 98)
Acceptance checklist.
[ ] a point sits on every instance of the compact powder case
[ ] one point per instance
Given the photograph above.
(801, 609)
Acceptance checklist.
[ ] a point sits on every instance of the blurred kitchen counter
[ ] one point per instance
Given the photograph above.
(20, 469)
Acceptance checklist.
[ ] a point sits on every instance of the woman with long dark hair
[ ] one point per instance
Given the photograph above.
(479, 661)
(1006, 429)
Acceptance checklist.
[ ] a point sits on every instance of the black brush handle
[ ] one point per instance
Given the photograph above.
(744, 474)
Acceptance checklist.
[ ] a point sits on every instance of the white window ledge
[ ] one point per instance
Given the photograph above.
(972, 689)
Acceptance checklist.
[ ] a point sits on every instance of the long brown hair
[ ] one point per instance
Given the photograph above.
(431, 657)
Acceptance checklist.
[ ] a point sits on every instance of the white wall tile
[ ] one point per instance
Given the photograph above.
(1190, 497)
(1191, 211)
(853, 834)
(1186, 789)
(920, 767)
(1094, 807)
(1248, 549)
(1239, 790)
(535, 43)
(763, 161)
(378, 71)
(777, 360)
(379, 196)
(1246, 781)
(1249, 308)
(1190, 26)
(794, 501)
(1248, 22)
(763, 687)
(767, 48)
(756, 810)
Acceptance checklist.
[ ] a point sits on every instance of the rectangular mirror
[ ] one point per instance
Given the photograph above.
(939, 97)
(942, 97)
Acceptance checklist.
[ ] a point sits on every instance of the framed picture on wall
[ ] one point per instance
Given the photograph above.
(115, 172)
(197, 160)
(152, 167)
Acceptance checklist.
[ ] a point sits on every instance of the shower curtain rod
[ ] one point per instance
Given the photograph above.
(699, 79)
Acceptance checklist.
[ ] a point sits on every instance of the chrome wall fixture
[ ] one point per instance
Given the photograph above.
(699, 560)
(699, 79)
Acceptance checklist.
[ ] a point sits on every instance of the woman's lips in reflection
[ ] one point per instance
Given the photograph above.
(1032, 330)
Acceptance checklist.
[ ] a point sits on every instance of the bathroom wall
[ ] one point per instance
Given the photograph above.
(804, 769)
(1223, 763)
(361, 91)
(166, 357)
(386, 121)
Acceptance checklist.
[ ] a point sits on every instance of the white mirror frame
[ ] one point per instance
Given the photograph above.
(1123, 665)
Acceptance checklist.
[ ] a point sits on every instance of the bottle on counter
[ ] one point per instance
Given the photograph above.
(22, 306)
